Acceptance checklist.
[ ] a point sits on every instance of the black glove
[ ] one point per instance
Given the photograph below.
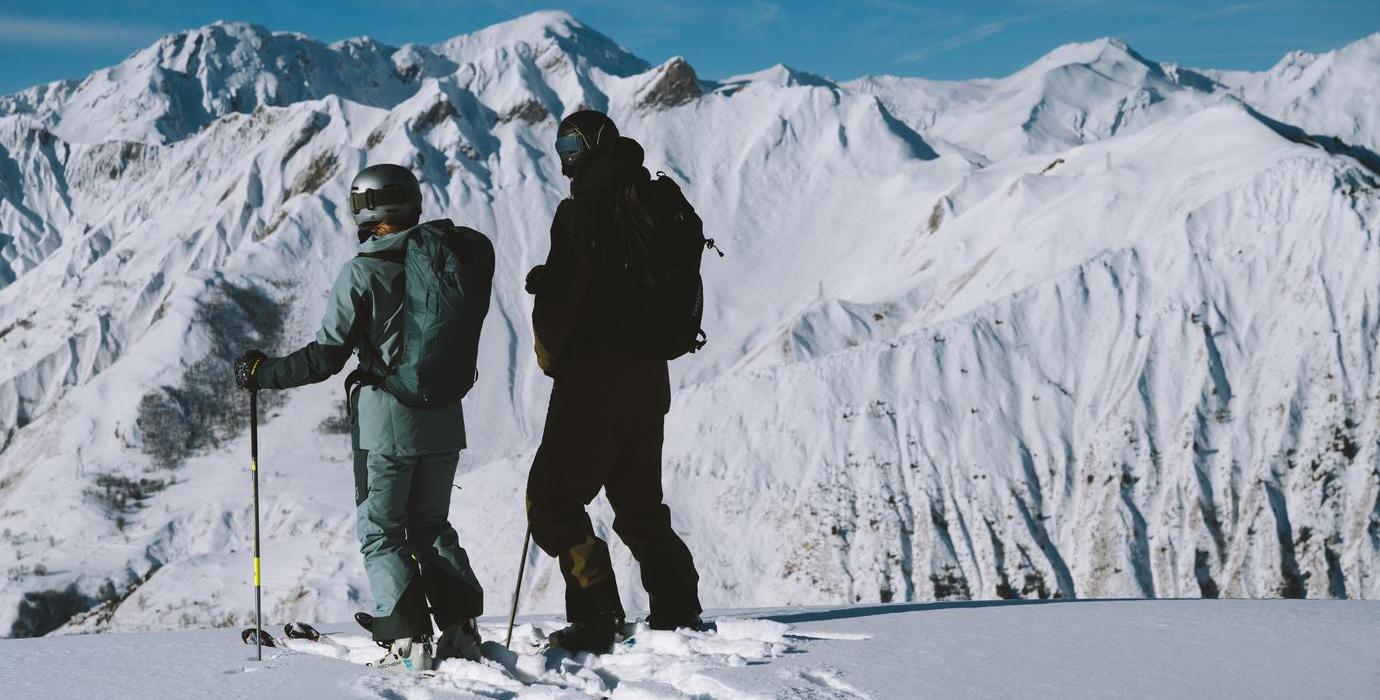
(247, 369)
(534, 279)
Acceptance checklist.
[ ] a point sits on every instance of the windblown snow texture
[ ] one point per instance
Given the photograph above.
(1130, 649)
(1103, 327)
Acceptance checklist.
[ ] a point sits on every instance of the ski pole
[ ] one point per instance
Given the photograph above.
(254, 469)
(522, 566)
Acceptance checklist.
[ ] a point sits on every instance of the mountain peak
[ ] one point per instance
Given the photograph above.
(558, 21)
(1098, 51)
(547, 28)
(784, 76)
(187, 79)
(1365, 50)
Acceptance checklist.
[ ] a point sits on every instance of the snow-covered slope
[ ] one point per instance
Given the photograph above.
(1076, 94)
(1102, 327)
(1066, 650)
(1332, 93)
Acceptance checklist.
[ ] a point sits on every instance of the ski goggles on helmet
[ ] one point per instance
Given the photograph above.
(393, 195)
(570, 147)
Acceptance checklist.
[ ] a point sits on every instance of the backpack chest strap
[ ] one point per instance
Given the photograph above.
(394, 256)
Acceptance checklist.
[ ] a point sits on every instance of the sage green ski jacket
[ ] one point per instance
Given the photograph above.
(364, 316)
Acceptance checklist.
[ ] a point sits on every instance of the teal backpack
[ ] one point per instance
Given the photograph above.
(448, 274)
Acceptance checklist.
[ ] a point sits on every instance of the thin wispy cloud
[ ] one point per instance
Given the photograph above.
(755, 14)
(976, 34)
(1233, 10)
(1232, 54)
(61, 32)
(913, 9)
(993, 28)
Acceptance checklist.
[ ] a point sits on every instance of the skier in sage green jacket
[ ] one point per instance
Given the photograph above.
(405, 457)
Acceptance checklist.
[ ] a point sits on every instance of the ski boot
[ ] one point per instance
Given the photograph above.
(670, 623)
(407, 655)
(459, 641)
(596, 637)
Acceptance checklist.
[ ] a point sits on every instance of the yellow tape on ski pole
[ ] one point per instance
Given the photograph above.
(253, 466)
(256, 571)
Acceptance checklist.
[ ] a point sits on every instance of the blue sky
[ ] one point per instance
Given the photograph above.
(42, 40)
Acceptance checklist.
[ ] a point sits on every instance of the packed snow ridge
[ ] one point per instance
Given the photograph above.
(979, 649)
(1104, 327)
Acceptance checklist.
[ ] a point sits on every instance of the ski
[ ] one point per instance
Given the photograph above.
(251, 635)
(301, 630)
(292, 630)
(365, 620)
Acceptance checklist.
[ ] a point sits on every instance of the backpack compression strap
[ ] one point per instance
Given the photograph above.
(365, 374)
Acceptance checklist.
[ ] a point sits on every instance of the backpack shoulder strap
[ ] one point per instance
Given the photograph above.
(646, 216)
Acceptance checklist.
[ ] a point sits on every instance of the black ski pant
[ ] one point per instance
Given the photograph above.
(604, 431)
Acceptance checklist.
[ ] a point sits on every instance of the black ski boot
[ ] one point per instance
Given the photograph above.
(678, 622)
(459, 641)
(596, 637)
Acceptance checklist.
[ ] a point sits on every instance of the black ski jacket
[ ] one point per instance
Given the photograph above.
(580, 299)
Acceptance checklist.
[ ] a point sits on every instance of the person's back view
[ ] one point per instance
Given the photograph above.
(604, 426)
(407, 432)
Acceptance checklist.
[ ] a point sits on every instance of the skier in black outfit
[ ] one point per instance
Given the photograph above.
(605, 420)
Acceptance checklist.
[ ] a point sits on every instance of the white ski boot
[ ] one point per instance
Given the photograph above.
(407, 656)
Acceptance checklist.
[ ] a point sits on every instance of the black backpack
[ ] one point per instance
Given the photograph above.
(659, 244)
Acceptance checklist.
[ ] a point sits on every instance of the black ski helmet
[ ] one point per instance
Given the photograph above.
(581, 133)
(385, 192)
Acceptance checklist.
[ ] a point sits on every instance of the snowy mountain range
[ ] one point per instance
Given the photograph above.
(1103, 327)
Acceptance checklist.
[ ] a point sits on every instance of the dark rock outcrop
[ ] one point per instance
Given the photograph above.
(676, 86)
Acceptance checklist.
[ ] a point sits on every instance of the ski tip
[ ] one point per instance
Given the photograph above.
(252, 635)
(301, 630)
(365, 620)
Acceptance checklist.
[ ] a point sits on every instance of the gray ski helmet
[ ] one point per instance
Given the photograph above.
(385, 192)
(582, 133)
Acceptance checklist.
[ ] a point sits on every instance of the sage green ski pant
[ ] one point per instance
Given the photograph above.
(412, 555)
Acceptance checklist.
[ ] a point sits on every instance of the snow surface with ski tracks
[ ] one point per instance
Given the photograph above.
(995, 649)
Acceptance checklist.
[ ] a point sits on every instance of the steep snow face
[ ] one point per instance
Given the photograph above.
(1221, 410)
(1096, 328)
